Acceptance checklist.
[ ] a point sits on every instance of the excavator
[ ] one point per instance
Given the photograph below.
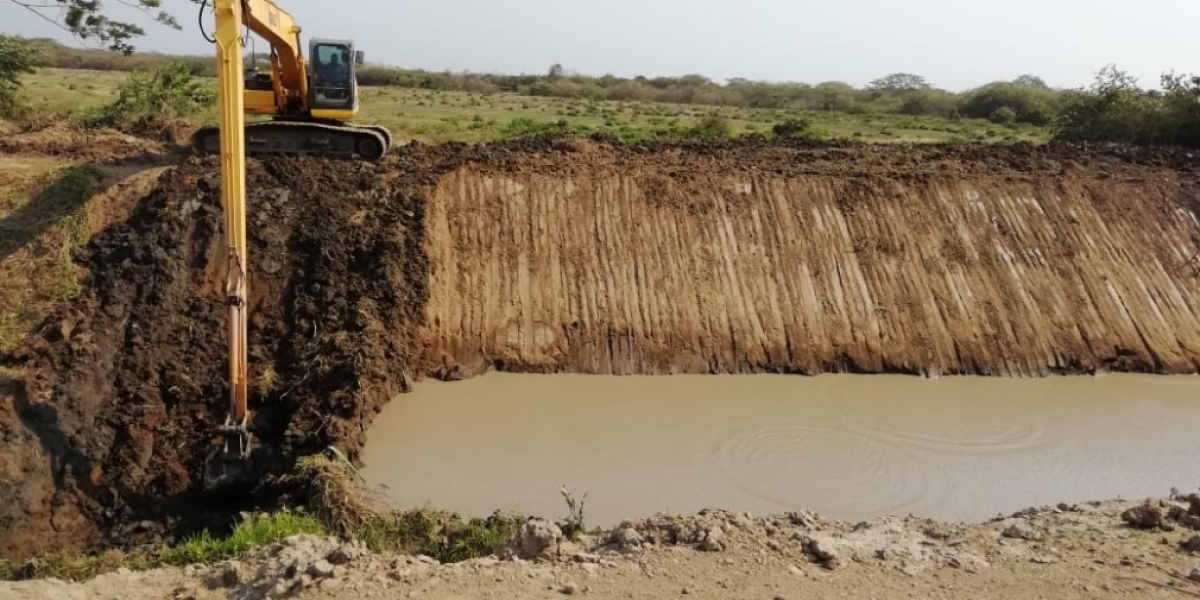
(310, 104)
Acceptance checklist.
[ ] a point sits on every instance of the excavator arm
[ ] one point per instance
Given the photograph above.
(222, 467)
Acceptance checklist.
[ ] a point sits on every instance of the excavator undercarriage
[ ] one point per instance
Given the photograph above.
(289, 137)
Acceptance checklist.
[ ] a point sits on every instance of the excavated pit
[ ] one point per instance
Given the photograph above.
(567, 255)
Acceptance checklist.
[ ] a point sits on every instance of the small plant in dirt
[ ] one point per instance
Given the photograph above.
(148, 102)
(267, 381)
(479, 537)
(573, 525)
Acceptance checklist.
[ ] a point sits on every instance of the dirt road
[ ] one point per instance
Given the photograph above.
(1073, 552)
(573, 255)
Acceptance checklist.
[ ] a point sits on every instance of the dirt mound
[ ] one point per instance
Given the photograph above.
(104, 433)
(573, 255)
(62, 140)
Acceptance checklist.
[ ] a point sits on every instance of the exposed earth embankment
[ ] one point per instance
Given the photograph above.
(574, 255)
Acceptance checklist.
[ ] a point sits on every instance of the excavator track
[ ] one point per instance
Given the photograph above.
(369, 142)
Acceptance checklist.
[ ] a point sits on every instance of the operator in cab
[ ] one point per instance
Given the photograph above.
(334, 70)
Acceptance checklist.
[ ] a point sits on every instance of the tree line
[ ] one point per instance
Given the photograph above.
(1114, 108)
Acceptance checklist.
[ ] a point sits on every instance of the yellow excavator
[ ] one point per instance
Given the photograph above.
(310, 104)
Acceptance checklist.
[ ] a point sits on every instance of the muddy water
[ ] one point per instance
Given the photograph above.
(849, 447)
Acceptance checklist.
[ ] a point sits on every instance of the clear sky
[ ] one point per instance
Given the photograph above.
(955, 44)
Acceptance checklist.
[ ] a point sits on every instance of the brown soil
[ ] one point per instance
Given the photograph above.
(573, 255)
(62, 141)
(742, 259)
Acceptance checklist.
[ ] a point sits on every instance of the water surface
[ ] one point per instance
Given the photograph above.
(847, 446)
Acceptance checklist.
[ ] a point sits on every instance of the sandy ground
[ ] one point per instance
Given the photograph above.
(1081, 551)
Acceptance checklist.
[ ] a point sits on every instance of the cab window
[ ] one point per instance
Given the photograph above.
(332, 73)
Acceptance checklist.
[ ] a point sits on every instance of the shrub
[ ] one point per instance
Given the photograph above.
(934, 103)
(796, 128)
(148, 101)
(1115, 109)
(1035, 106)
(526, 127)
(711, 126)
(1003, 116)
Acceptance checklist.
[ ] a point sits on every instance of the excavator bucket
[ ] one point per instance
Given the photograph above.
(229, 468)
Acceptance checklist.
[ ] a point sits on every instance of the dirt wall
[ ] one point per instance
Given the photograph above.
(893, 260)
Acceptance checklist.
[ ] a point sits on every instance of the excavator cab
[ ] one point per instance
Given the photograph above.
(334, 86)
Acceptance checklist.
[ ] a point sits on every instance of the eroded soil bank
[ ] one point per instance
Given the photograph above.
(998, 261)
(577, 256)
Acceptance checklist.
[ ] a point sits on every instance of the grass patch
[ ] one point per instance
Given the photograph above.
(38, 235)
(435, 116)
(335, 497)
(260, 530)
(336, 507)
(252, 533)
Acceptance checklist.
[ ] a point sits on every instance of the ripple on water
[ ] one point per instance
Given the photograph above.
(1011, 432)
(983, 418)
(832, 468)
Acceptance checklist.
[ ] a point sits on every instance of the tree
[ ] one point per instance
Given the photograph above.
(86, 19)
(1114, 109)
(1031, 81)
(556, 71)
(18, 57)
(899, 82)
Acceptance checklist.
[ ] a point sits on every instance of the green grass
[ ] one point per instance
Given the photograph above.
(335, 507)
(435, 116)
(255, 532)
(250, 534)
(38, 234)
(336, 499)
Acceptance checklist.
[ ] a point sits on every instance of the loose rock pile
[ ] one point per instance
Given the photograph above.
(1166, 515)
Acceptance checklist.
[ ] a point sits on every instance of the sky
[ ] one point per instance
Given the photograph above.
(955, 44)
